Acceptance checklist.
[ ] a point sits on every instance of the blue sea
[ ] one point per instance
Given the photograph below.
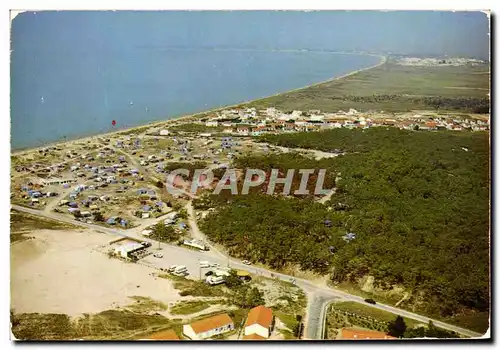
(73, 79)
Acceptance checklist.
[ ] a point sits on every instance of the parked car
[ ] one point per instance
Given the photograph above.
(209, 273)
(246, 262)
(158, 255)
(204, 264)
(370, 301)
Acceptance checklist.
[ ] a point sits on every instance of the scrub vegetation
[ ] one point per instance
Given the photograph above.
(394, 88)
(418, 203)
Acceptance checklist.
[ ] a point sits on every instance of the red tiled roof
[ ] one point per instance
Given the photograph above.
(260, 315)
(211, 323)
(164, 335)
(355, 334)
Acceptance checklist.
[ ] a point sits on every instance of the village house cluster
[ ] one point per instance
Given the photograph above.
(250, 122)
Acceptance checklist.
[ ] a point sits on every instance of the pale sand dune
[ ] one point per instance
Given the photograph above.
(59, 272)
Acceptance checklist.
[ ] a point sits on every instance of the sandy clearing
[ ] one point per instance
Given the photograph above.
(59, 272)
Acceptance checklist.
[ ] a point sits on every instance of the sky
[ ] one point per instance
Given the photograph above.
(402, 32)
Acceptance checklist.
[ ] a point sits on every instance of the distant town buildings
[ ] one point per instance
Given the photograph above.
(252, 122)
(417, 61)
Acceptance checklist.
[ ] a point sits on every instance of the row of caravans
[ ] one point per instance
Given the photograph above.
(178, 270)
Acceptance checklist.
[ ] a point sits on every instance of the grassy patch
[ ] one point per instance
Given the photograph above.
(18, 237)
(135, 131)
(289, 320)
(389, 87)
(367, 311)
(43, 327)
(287, 335)
(238, 316)
(107, 325)
(189, 307)
(143, 304)
(352, 288)
(195, 288)
(22, 222)
(478, 322)
(192, 127)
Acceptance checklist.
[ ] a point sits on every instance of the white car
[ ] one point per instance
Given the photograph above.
(147, 232)
(158, 255)
(204, 264)
(246, 262)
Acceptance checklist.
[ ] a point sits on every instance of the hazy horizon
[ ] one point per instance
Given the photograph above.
(72, 72)
(400, 32)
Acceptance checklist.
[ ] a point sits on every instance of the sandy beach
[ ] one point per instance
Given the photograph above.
(60, 272)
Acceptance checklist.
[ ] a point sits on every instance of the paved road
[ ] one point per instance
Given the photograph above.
(316, 314)
(324, 292)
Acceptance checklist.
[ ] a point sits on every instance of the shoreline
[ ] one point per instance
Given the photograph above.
(383, 60)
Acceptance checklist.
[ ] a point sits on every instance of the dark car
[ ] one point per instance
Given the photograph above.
(209, 273)
(370, 301)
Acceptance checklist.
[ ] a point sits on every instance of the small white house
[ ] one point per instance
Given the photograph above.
(208, 327)
(259, 321)
(164, 132)
(125, 250)
(195, 244)
(242, 130)
(212, 123)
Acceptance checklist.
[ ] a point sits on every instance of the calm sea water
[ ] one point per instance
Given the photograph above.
(65, 89)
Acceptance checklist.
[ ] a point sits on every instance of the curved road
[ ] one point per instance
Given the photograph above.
(320, 293)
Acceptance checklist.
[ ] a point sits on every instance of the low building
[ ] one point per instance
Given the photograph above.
(259, 321)
(196, 244)
(127, 249)
(358, 334)
(208, 327)
(163, 335)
